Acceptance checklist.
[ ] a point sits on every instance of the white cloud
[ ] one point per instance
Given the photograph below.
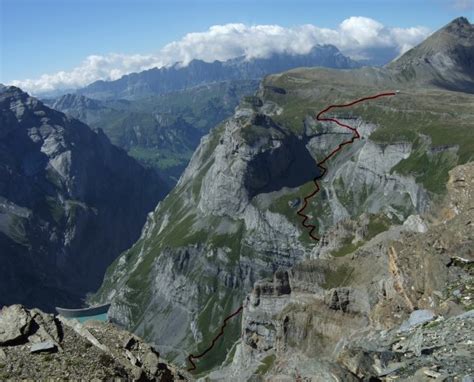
(358, 37)
(93, 68)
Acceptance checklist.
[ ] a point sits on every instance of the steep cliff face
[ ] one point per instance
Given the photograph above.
(391, 309)
(70, 202)
(231, 220)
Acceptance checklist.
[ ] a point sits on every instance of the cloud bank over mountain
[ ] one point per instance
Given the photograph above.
(360, 38)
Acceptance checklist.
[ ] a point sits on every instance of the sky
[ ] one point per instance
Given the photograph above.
(47, 45)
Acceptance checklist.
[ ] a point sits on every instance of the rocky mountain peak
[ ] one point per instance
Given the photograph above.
(457, 32)
(445, 59)
(459, 23)
(13, 98)
(8, 91)
(448, 39)
(18, 109)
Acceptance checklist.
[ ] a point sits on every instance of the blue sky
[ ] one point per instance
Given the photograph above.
(47, 36)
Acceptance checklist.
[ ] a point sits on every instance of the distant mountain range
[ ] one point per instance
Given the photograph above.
(159, 115)
(177, 77)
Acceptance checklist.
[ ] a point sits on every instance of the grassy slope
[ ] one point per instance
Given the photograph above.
(443, 116)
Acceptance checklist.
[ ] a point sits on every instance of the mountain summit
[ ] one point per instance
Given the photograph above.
(445, 59)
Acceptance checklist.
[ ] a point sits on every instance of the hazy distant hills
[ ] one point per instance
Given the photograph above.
(167, 79)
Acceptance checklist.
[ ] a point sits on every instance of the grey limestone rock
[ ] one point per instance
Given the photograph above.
(417, 317)
(15, 324)
(40, 347)
(90, 351)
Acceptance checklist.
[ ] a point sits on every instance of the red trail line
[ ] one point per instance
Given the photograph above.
(323, 169)
(300, 211)
(191, 356)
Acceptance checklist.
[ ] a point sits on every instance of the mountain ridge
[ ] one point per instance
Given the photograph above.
(197, 72)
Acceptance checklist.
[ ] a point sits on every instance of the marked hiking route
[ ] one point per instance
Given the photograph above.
(355, 136)
(191, 356)
(323, 169)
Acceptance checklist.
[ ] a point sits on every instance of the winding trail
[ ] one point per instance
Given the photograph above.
(355, 136)
(323, 169)
(221, 332)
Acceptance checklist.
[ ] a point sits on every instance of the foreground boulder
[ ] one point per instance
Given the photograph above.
(15, 324)
(58, 348)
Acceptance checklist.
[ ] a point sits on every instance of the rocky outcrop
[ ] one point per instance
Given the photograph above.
(58, 348)
(437, 350)
(391, 309)
(15, 323)
(70, 202)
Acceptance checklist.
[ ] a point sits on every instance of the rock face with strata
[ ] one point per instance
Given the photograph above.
(70, 202)
(399, 307)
